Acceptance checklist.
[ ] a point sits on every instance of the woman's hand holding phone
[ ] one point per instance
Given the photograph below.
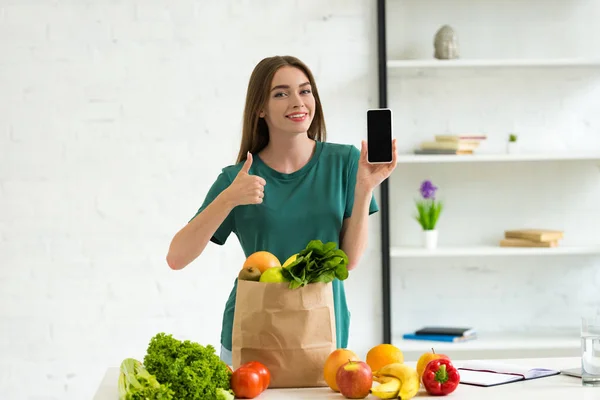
(369, 176)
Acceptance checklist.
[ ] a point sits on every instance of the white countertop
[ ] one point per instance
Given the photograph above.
(559, 387)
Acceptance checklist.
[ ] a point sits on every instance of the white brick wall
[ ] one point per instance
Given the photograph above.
(117, 116)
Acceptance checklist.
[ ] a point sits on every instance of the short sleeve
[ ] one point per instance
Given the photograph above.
(354, 157)
(221, 183)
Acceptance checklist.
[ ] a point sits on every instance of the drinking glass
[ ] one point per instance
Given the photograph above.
(590, 351)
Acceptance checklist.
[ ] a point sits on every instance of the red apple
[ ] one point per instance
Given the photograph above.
(354, 379)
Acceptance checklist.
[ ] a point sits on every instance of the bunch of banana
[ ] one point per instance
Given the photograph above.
(396, 380)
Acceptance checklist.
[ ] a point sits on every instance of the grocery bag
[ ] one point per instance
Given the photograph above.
(290, 331)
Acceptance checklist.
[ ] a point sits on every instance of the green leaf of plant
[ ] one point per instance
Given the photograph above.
(312, 265)
(295, 284)
(329, 246)
(287, 274)
(332, 263)
(315, 246)
(340, 253)
(317, 262)
(325, 277)
(308, 256)
(341, 272)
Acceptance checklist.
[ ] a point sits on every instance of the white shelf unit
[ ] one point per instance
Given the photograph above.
(494, 63)
(468, 158)
(492, 251)
(493, 345)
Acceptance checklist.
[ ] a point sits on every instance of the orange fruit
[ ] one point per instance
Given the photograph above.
(262, 260)
(334, 361)
(382, 355)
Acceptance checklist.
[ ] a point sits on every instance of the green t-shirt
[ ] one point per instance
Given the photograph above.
(308, 204)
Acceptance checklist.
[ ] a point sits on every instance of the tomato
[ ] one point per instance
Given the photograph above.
(246, 383)
(262, 370)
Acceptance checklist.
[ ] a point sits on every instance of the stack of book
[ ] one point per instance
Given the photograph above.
(531, 238)
(451, 144)
(442, 334)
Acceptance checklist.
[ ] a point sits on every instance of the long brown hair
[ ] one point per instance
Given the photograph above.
(255, 132)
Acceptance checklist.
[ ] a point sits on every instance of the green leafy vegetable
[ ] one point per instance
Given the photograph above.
(136, 383)
(223, 394)
(318, 262)
(193, 371)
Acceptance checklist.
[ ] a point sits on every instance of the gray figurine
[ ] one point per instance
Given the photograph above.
(446, 43)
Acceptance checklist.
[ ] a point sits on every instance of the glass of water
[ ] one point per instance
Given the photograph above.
(590, 351)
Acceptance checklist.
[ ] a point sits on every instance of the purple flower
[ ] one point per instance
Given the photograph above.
(428, 190)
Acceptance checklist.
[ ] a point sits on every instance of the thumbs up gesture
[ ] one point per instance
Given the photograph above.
(246, 188)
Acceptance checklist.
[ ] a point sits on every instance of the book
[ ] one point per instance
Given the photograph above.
(492, 373)
(537, 235)
(514, 242)
(445, 330)
(447, 146)
(442, 151)
(456, 138)
(438, 338)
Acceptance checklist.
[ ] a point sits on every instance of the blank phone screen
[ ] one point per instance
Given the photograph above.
(379, 135)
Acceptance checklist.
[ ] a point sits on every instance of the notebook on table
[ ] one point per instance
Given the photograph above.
(491, 373)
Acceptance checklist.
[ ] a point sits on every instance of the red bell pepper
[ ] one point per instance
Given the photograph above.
(440, 377)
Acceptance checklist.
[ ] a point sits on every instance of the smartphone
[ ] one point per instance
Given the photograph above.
(379, 136)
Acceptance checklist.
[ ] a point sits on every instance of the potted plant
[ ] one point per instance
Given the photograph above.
(428, 213)
(512, 143)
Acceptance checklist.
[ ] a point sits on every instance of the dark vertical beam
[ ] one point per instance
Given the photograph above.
(384, 189)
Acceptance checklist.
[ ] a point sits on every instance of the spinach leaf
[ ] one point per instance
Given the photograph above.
(317, 262)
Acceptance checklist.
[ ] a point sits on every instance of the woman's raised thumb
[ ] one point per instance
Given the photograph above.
(248, 163)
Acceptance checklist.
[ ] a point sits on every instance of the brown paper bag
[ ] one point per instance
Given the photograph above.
(290, 331)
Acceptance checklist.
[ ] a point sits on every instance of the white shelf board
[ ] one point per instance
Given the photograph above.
(501, 157)
(493, 63)
(497, 346)
(409, 252)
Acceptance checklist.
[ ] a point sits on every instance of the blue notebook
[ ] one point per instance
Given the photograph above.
(438, 338)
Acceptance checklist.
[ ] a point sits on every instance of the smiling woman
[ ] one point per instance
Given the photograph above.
(287, 187)
(290, 104)
(288, 114)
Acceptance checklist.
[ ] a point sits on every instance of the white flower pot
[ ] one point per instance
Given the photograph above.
(512, 147)
(430, 238)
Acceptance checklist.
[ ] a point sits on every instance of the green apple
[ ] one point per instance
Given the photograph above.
(272, 275)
